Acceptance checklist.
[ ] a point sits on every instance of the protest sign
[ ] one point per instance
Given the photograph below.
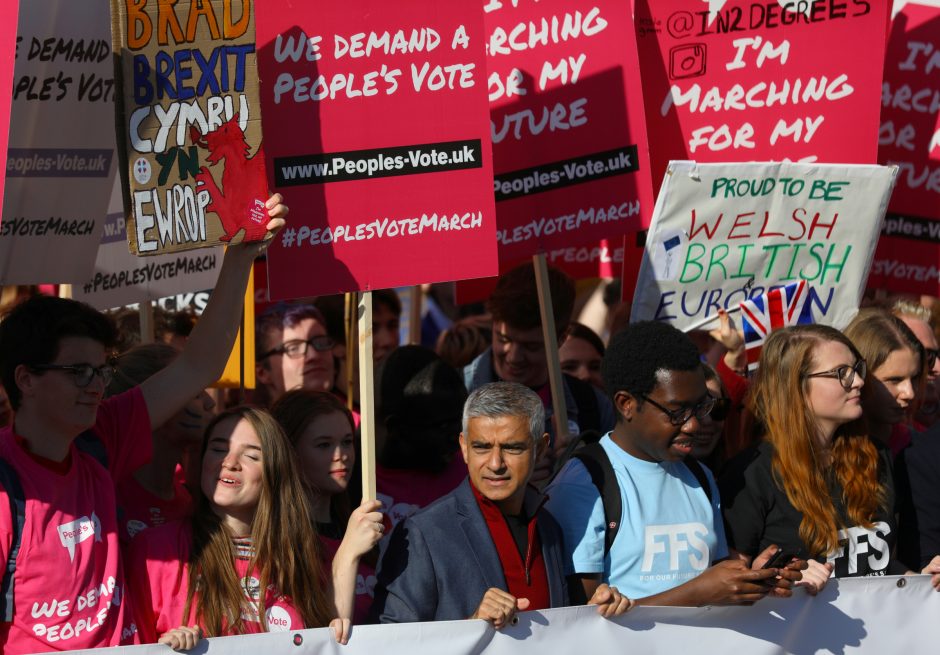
(376, 127)
(61, 142)
(119, 278)
(189, 123)
(724, 233)
(851, 616)
(569, 134)
(757, 80)
(7, 56)
(908, 255)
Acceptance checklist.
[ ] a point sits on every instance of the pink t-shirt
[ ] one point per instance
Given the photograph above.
(69, 581)
(404, 491)
(158, 573)
(139, 509)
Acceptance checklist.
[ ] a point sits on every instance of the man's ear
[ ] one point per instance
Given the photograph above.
(625, 404)
(263, 373)
(463, 448)
(24, 379)
(541, 444)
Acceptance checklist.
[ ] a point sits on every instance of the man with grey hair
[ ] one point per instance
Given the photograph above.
(488, 548)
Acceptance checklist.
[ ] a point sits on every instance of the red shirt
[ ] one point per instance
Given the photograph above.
(525, 579)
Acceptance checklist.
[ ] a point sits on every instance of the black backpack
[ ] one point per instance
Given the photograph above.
(598, 465)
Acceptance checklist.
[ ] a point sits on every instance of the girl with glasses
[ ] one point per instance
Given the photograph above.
(816, 486)
(247, 561)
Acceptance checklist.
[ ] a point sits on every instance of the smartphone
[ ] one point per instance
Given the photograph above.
(779, 559)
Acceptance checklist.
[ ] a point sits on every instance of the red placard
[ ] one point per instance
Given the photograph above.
(8, 15)
(907, 259)
(569, 134)
(376, 132)
(737, 80)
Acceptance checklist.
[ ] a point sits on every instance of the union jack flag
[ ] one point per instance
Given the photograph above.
(777, 308)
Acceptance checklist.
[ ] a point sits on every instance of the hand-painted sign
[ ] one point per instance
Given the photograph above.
(908, 256)
(569, 134)
(724, 233)
(189, 117)
(376, 128)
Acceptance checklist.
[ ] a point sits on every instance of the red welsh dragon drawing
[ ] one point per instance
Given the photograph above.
(239, 204)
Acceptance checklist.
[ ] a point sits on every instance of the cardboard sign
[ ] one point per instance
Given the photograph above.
(7, 56)
(908, 256)
(755, 80)
(61, 142)
(120, 278)
(376, 128)
(189, 122)
(724, 233)
(569, 134)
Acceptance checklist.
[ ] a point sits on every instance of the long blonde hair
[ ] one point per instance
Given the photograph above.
(285, 555)
(779, 401)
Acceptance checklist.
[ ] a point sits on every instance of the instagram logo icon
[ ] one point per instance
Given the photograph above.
(687, 60)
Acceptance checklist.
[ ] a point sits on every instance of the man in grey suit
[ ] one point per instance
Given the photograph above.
(488, 548)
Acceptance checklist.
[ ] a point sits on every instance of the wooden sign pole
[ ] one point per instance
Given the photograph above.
(559, 409)
(366, 397)
(350, 334)
(414, 319)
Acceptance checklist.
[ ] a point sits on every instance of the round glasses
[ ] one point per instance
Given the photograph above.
(845, 374)
(82, 374)
(683, 415)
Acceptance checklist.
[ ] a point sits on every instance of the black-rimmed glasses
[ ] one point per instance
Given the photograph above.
(82, 374)
(297, 348)
(845, 374)
(683, 415)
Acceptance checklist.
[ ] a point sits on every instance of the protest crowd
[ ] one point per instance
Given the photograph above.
(736, 407)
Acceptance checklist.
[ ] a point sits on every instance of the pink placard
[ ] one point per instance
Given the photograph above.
(8, 23)
(733, 80)
(907, 259)
(568, 129)
(376, 132)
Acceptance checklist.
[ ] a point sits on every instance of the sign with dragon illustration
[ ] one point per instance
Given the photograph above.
(188, 116)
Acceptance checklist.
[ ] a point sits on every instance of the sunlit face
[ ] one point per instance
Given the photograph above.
(500, 455)
(385, 336)
(579, 359)
(831, 404)
(56, 397)
(892, 387)
(519, 355)
(709, 431)
(327, 452)
(232, 469)
(313, 371)
(928, 410)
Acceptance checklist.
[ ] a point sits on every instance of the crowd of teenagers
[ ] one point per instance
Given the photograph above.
(136, 507)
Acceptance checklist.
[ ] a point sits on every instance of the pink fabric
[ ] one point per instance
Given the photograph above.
(158, 575)
(140, 509)
(365, 579)
(69, 581)
(404, 491)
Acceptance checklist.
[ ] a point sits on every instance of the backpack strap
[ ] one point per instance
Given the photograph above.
(10, 481)
(699, 473)
(598, 465)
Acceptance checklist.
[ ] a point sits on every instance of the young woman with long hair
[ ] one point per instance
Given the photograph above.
(817, 485)
(247, 560)
(322, 432)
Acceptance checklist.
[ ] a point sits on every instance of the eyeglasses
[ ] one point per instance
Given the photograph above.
(720, 410)
(683, 415)
(297, 348)
(82, 374)
(931, 359)
(845, 374)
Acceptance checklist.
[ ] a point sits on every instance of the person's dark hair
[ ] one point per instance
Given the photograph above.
(638, 352)
(515, 300)
(278, 317)
(31, 333)
(422, 404)
(333, 309)
(138, 364)
(583, 332)
(387, 298)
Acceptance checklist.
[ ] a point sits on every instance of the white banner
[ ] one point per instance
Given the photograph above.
(724, 233)
(60, 165)
(852, 616)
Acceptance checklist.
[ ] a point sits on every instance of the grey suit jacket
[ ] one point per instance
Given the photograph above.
(441, 560)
